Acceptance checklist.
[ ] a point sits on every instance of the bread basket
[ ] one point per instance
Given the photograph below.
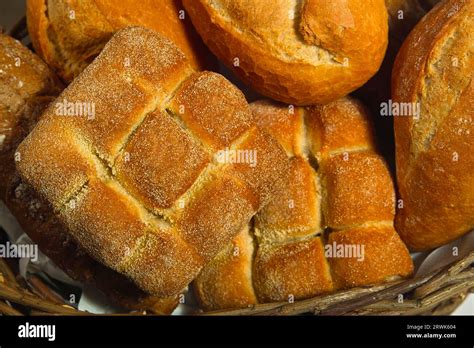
(439, 292)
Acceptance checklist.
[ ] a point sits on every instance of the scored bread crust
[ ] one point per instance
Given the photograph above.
(338, 191)
(434, 152)
(301, 53)
(69, 34)
(138, 185)
(28, 86)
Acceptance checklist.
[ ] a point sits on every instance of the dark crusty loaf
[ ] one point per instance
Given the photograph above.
(69, 34)
(338, 192)
(299, 52)
(27, 87)
(435, 164)
(138, 185)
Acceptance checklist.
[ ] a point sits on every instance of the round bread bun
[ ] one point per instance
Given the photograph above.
(298, 52)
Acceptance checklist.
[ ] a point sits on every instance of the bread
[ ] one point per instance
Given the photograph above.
(27, 87)
(338, 190)
(435, 165)
(139, 184)
(68, 34)
(37, 218)
(296, 52)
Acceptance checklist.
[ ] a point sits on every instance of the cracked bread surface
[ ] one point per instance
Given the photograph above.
(433, 71)
(28, 87)
(156, 224)
(338, 191)
(69, 34)
(301, 52)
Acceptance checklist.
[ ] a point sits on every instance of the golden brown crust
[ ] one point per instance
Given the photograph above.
(21, 105)
(43, 226)
(349, 172)
(27, 87)
(291, 271)
(434, 151)
(300, 53)
(385, 257)
(233, 265)
(337, 190)
(69, 34)
(159, 239)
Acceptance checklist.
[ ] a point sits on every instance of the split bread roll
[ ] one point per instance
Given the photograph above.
(139, 182)
(69, 34)
(338, 195)
(27, 88)
(298, 52)
(435, 164)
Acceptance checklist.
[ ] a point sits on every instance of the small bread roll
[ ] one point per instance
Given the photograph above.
(298, 52)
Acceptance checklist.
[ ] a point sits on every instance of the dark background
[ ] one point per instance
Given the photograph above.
(10, 12)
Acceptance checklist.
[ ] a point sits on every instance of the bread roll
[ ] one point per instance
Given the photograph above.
(338, 195)
(27, 87)
(138, 182)
(433, 73)
(69, 34)
(299, 52)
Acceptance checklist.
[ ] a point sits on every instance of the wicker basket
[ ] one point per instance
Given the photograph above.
(438, 293)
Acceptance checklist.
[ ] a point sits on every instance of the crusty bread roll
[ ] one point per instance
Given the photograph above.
(435, 165)
(27, 87)
(338, 192)
(299, 52)
(68, 34)
(140, 185)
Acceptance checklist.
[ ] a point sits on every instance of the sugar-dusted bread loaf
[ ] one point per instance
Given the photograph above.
(299, 52)
(433, 74)
(68, 34)
(338, 195)
(27, 87)
(139, 182)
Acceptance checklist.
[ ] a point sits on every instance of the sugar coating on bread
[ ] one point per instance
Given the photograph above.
(337, 192)
(433, 73)
(28, 86)
(138, 184)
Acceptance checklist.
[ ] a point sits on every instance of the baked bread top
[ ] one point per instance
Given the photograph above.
(27, 85)
(69, 34)
(433, 78)
(137, 182)
(338, 195)
(27, 88)
(299, 52)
